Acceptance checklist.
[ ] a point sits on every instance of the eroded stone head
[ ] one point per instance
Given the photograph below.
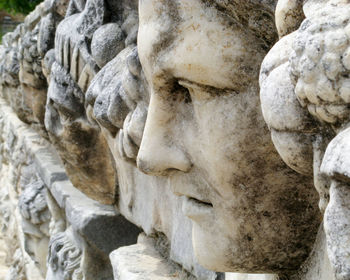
(205, 133)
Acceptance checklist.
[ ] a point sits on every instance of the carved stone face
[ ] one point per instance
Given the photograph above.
(144, 200)
(64, 257)
(205, 131)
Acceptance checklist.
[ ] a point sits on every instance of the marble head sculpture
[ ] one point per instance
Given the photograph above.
(92, 33)
(117, 100)
(205, 133)
(70, 69)
(305, 91)
(38, 33)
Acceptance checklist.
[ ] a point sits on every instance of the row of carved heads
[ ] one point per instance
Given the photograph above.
(192, 113)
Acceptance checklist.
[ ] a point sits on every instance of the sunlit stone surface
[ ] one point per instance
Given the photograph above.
(183, 139)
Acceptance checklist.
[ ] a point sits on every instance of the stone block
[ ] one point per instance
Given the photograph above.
(142, 262)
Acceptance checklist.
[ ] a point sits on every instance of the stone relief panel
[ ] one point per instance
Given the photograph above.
(154, 108)
(49, 205)
(64, 260)
(14, 257)
(304, 87)
(78, 57)
(10, 68)
(13, 162)
(37, 37)
(118, 101)
(35, 221)
(24, 85)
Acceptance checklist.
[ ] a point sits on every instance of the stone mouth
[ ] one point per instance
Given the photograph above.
(200, 202)
(197, 210)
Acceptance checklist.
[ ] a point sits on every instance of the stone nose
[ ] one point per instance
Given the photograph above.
(160, 150)
(158, 160)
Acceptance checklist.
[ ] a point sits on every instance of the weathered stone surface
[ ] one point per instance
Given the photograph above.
(106, 43)
(314, 97)
(69, 130)
(235, 276)
(150, 203)
(119, 100)
(142, 261)
(64, 258)
(288, 15)
(152, 108)
(205, 132)
(97, 229)
(20, 264)
(75, 139)
(35, 221)
(26, 47)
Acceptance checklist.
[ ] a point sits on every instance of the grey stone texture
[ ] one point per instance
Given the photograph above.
(181, 139)
(48, 197)
(304, 99)
(106, 43)
(148, 261)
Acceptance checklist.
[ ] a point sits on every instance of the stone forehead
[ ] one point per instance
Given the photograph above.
(243, 4)
(238, 9)
(254, 15)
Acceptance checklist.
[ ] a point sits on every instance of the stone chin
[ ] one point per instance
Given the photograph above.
(210, 252)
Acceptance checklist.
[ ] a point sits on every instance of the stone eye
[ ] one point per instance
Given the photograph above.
(187, 95)
(180, 93)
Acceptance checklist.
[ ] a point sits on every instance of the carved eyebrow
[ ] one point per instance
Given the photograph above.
(165, 39)
(213, 90)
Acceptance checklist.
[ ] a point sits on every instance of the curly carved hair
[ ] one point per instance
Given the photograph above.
(320, 65)
(64, 255)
